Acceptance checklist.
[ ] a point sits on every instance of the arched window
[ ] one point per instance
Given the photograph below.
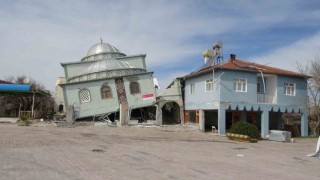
(134, 88)
(106, 92)
(84, 95)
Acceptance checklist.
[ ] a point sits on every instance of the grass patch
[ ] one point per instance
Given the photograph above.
(308, 137)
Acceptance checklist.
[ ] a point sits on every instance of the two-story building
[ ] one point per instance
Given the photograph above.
(221, 93)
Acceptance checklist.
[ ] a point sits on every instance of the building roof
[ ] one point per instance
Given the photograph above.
(5, 82)
(240, 65)
(106, 65)
(102, 48)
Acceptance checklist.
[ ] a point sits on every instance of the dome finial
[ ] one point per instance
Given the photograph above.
(101, 39)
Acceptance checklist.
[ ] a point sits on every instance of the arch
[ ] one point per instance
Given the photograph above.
(171, 113)
(84, 96)
(134, 88)
(106, 92)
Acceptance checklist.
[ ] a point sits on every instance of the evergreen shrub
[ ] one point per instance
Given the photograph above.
(245, 128)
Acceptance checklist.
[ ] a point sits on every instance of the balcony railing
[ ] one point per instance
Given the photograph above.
(266, 99)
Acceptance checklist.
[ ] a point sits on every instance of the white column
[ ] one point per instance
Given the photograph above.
(201, 120)
(264, 123)
(304, 123)
(221, 121)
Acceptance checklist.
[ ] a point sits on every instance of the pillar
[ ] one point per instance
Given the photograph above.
(243, 116)
(159, 115)
(221, 121)
(264, 123)
(201, 120)
(304, 123)
(70, 116)
(280, 121)
(124, 118)
(181, 114)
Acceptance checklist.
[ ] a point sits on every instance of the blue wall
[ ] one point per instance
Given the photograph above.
(301, 96)
(229, 95)
(202, 99)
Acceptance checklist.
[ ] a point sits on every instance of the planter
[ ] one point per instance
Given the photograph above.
(242, 138)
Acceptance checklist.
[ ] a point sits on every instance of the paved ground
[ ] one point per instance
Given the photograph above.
(147, 153)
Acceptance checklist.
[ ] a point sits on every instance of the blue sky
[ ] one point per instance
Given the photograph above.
(36, 36)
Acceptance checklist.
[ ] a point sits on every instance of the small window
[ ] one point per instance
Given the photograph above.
(290, 89)
(106, 92)
(84, 95)
(240, 85)
(192, 88)
(134, 88)
(209, 85)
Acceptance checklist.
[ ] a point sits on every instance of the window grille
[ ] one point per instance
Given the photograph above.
(84, 95)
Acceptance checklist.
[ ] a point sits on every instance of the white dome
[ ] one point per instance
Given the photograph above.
(102, 48)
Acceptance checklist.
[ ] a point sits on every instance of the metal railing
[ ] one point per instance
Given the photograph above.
(266, 99)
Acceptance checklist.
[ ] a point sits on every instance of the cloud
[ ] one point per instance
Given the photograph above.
(36, 36)
(301, 51)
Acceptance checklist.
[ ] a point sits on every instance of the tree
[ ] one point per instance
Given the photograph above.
(43, 101)
(313, 69)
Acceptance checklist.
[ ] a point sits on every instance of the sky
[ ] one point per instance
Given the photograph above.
(36, 36)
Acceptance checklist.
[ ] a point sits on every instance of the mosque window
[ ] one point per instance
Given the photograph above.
(134, 88)
(89, 77)
(99, 76)
(106, 92)
(84, 95)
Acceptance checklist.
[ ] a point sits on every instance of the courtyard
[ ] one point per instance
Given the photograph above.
(172, 152)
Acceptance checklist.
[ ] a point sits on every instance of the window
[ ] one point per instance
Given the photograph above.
(192, 88)
(258, 88)
(84, 95)
(106, 92)
(240, 85)
(134, 88)
(209, 85)
(290, 89)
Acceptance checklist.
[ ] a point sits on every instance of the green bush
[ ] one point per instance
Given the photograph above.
(245, 128)
(23, 117)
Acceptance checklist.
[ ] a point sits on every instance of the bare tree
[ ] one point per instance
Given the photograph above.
(14, 102)
(313, 69)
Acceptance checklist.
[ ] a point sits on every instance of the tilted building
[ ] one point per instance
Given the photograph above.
(107, 83)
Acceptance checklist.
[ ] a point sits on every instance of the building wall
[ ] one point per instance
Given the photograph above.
(301, 96)
(224, 93)
(146, 87)
(229, 95)
(201, 99)
(97, 105)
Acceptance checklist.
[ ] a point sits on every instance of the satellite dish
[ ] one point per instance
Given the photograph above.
(218, 44)
(26, 81)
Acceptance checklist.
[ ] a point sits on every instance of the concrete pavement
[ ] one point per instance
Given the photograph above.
(147, 153)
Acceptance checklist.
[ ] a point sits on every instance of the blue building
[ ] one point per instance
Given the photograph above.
(221, 93)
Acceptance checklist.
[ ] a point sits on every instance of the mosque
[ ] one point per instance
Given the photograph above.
(106, 84)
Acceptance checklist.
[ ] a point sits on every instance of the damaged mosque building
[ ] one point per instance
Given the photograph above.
(108, 85)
